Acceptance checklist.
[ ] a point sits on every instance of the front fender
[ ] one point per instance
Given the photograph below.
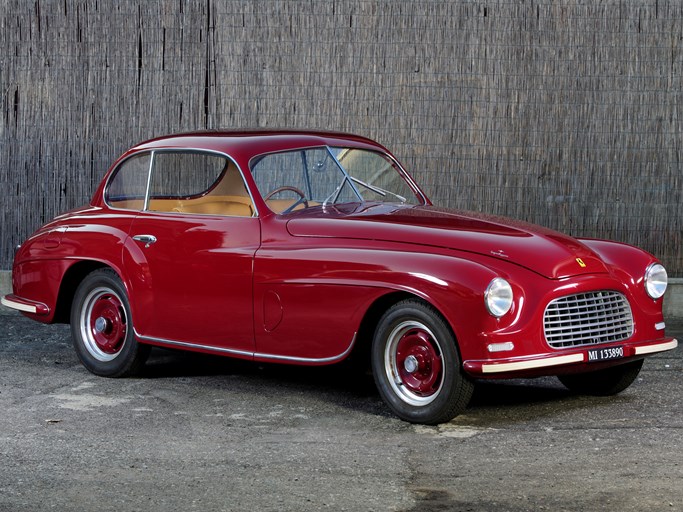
(308, 282)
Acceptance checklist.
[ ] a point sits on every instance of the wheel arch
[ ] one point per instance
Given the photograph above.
(70, 281)
(434, 389)
(373, 314)
(453, 287)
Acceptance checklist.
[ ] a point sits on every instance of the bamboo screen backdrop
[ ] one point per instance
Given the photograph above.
(563, 113)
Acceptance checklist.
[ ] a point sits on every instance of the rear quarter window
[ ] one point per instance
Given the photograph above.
(128, 185)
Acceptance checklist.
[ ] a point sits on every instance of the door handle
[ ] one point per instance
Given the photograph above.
(145, 239)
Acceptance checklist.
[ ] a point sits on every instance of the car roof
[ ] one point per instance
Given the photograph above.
(251, 142)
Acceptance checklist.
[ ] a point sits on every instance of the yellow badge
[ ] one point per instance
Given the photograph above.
(581, 263)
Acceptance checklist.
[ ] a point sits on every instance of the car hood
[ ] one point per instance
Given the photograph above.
(541, 250)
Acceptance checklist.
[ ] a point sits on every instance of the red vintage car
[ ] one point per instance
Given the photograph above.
(310, 247)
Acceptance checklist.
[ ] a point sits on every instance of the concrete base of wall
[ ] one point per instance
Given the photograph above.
(5, 287)
(673, 300)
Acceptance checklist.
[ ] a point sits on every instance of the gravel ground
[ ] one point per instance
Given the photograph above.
(212, 434)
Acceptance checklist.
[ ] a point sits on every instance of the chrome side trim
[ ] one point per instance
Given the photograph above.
(255, 355)
(530, 365)
(321, 360)
(26, 308)
(210, 348)
(660, 347)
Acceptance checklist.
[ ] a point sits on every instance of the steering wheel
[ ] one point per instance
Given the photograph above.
(302, 198)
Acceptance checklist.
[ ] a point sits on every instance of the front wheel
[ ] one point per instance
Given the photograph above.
(606, 382)
(416, 365)
(101, 329)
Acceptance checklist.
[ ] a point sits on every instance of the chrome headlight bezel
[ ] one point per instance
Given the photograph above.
(656, 280)
(498, 297)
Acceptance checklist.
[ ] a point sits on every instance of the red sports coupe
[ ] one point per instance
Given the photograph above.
(310, 247)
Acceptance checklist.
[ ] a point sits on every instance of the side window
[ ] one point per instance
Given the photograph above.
(128, 186)
(197, 183)
(184, 175)
(279, 170)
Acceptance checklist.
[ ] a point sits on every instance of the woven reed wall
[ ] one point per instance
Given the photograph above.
(563, 113)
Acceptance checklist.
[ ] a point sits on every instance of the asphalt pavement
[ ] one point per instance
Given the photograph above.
(212, 434)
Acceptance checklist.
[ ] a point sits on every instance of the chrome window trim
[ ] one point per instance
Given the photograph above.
(145, 205)
(152, 153)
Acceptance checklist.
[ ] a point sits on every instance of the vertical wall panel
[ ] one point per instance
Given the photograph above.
(560, 113)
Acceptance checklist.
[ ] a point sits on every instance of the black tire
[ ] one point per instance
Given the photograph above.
(416, 365)
(606, 382)
(101, 329)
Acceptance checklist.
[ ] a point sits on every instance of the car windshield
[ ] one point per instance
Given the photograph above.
(303, 178)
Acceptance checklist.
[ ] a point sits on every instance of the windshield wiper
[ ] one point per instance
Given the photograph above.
(377, 190)
(335, 193)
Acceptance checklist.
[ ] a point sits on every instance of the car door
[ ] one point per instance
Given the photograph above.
(192, 248)
(308, 301)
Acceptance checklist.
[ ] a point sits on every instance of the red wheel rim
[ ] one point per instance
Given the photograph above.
(103, 324)
(414, 363)
(418, 363)
(107, 323)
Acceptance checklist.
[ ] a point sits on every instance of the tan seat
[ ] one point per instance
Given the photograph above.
(128, 204)
(163, 205)
(230, 208)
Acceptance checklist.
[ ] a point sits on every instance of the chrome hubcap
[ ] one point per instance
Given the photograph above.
(101, 324)
(410, 364)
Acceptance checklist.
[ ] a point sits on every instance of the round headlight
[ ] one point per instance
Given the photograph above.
(656, 280)
(498, 297)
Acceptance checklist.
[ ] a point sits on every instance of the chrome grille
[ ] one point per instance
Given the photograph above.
(587, 319)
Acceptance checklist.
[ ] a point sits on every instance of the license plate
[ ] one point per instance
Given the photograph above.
(605, 354)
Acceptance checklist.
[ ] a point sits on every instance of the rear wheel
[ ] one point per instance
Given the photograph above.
(101, 329)
(416, 365)
(609, 381)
